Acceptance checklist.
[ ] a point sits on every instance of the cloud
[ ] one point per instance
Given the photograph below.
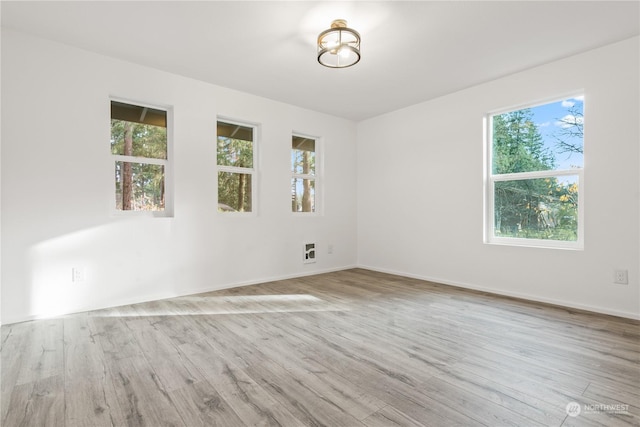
(544, 124)
(570, 102)
(569, 120)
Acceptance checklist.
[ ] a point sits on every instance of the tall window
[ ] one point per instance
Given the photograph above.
(303, 180)
(535, 175)
(139, 150)
(236, 167)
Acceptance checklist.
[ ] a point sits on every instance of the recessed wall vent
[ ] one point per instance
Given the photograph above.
(309, 253)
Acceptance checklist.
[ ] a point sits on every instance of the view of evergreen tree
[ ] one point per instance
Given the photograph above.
(139, 185)
(234, 188)
(517, 144)
(303, 165)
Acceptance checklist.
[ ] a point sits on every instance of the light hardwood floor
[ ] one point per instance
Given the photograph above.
(351, 348)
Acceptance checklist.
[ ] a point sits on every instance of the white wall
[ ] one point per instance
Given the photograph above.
(420, 188)
(57, 182)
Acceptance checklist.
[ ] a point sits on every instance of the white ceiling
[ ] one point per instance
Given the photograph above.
(411, 51)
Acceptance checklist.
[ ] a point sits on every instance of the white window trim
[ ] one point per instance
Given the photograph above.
(490, 179)
(138, 159)
(316, 177)
(234, 169)
(167, 163)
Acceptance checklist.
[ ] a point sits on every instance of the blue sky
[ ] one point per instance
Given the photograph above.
(547, 118)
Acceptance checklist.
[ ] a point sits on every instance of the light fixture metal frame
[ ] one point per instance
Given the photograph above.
(339, 26)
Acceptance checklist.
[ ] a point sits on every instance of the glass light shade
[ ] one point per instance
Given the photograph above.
(339, 46)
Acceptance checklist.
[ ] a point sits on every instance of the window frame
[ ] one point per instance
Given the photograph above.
(253, 171)
(316, 177)
(490, 179)
(166, 163)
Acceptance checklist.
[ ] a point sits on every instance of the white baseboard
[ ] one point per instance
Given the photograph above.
(529, 297)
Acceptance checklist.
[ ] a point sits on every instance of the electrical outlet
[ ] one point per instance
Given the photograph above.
(330, 249)
(77, 275)
(621, 277)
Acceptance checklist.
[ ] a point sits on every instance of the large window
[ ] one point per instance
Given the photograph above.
(236, 167)
(303, 179)
(139, 150)
(535, 175)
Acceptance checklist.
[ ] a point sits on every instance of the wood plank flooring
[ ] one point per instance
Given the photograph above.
(351, 348)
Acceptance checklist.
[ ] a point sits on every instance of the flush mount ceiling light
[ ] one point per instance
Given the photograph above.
(339, 46)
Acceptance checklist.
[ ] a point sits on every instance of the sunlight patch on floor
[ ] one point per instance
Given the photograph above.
(227, 304)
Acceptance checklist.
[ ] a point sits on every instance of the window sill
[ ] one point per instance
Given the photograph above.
(536, 243)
